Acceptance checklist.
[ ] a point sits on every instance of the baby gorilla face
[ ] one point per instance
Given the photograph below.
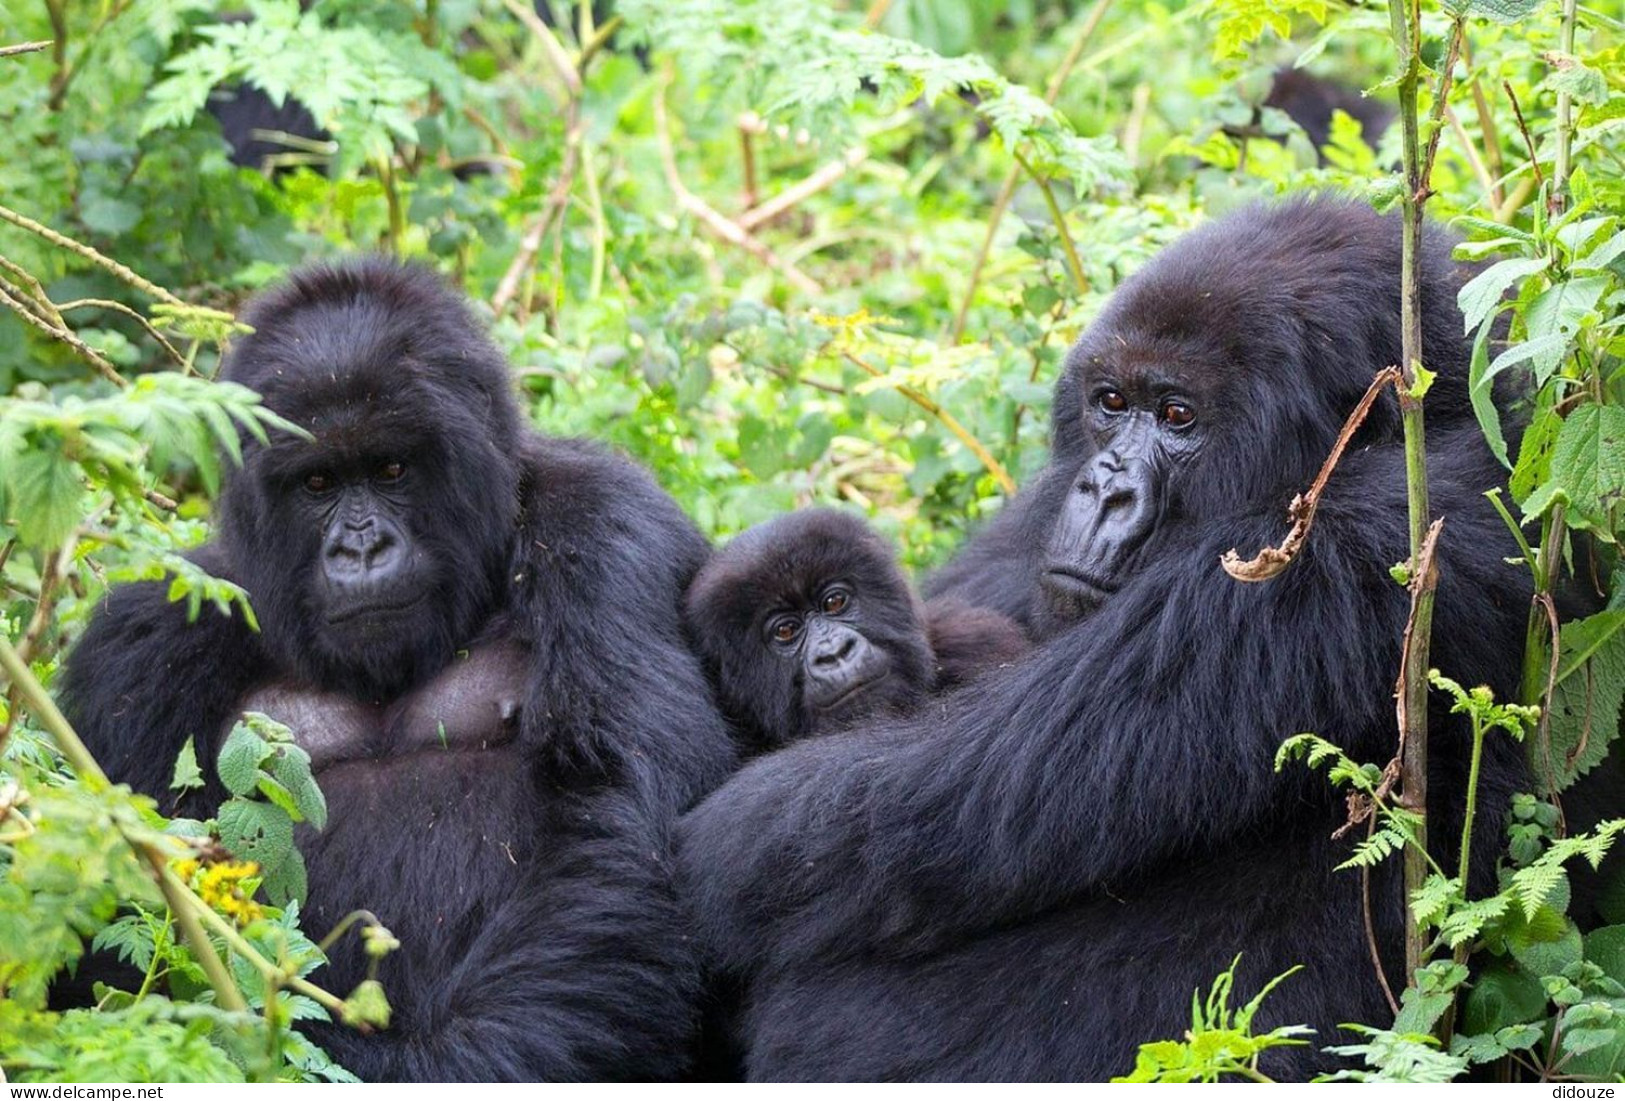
(843, 674)
(807, 625)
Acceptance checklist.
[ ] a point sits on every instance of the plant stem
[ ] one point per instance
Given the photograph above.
(1406, 26)
(1073, 263)
(1007, 189)
(1558, 199)
(226, 994)
(1465, 861)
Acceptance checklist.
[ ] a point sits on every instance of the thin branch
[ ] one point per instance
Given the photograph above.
(1370, 925)
(718, 223)
(552, 207)
(557, 55)
(86, 352)
(1523, 129)
(1476, 163)
(46, 232)
(824, 177)
(1272, 560)
(119, 307)
(948, 421)
(24, 48)
(1007, 189)
(1073, 263)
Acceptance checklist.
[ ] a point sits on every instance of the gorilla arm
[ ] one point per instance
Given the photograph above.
(614, 689)
(1143, 733)
(134, 714)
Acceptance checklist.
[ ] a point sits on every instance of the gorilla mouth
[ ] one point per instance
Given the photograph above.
(1074, 583)
(852, 693)
(351, 612)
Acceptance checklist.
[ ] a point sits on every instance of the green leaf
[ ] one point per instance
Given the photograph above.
(239, 762)
(1501, 11)
(1543, 949)
(1502, 995)
(46, 494)
(257, 831)
(291, 767)
(1587, 470)
(1485, 291)
(187, 773)
(1587, 703)
(1605, 947)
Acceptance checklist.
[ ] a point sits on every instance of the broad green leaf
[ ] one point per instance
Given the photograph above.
(46, 494)
(291, 767)
(1501, 11)
(259, 832)
(1587, 470)
(1586, 705)
(240, 759)
(187, 773)
(1502, 995)
(1484, 292)
(1605, 947)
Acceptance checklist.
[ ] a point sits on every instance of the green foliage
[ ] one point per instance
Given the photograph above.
(1221, 1042)
(906, 374)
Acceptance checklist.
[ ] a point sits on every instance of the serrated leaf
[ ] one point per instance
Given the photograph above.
(287, 883)
(1586, 705)
(257, 831)
(45, 494)
(291, 767)
(1501, 996)
(239, 762)
(1484, 292)
(1501, 11)
(1588, 469)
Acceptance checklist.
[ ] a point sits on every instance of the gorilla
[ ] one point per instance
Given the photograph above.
(1035, 878)
(807, 625)
(1310, 101)
(476, 632)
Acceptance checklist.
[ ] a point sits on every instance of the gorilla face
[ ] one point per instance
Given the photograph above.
(373, 549)
(1142, 423)
(808, 626)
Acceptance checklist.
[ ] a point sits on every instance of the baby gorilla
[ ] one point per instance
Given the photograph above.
(807, 625)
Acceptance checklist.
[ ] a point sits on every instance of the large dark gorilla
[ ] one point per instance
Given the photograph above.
(506, 812)
(1033, 879)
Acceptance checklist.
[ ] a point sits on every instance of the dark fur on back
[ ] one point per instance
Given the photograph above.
(529, 885)
(1032, 876)
(784, 563)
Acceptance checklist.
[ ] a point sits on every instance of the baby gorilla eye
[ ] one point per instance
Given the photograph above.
(785, 629)
(835, 602)
(318, 482)
(1177, 414)
(1112, 401)
(391, 472)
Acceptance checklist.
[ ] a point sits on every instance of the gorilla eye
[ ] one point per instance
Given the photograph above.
(1112, 401)
(835, 602)
(391, 472)
(318, 483)
(785, 629)
(1177, 414)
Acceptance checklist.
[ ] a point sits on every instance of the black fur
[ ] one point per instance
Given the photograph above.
(529, 884)
(784, 568)
(1031, 877)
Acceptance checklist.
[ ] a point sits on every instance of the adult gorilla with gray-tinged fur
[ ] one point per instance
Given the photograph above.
(1033, 883)
(807, 625)
(475, 631)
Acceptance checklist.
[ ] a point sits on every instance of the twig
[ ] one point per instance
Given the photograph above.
(1523, 128)
(1370, 925)
(557, 55)
(24, 48)
(1007, 189)
(23, 222)
(119, 307)
(1424, 580)
(552, 207)
(750, 124)
(1441, 96)
(1073, 263)
(66, 336)
(824, 177)
(948, 421)
(1470, 151)
(1272, 560)
(718, 223)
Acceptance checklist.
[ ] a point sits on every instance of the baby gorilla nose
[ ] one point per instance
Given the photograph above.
(840, 663)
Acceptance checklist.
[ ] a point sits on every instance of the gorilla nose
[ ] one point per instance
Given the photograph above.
(835, 651)
(365, 551)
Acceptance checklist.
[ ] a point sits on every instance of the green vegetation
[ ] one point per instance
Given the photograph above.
(782, 254)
